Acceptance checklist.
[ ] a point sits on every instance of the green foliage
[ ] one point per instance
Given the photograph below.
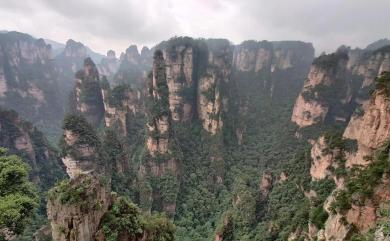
(84, 134)
(384, 222)
(18, 198)
(330, 61)
(79, 126)
(360, 183)
(169, 187)
(118, 94)
(125, 219)
(318, 216)
(323, 189)
(157, 227)
(383, 83)
(244, 207)
(67, 193)
(209, 94)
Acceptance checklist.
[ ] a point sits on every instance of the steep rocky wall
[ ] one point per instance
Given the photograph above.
(22, 138)
(162, 157)
(179, 72)
(328, 72)
(270, 62)
(212, 100)
(133, 67)
(69, 61)
(109, 65)
(87, 96)
(29, 81)
(78, 220)
(336, 84)
(121, 106)
(159, 124)
(75, 207)
(370, 129)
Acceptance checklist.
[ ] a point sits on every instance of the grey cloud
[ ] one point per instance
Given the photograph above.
(119, 23)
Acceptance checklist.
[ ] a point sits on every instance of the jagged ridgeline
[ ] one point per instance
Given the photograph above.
(29, 82)
(211, 138)
(343, 109)
(196, 140)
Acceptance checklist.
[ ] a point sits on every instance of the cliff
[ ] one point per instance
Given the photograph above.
(360, 173)
(196, 70)
(76, 206)
(161, 161)
(213, 99)
(22, 138)
(83, 208)
(87, 97)
(336, 84)
(122, 105)
(29, 82)
(371, 128)
(133, 67)
(270, 61)
(109, 65)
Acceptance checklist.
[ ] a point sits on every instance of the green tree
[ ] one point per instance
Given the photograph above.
(18, 199)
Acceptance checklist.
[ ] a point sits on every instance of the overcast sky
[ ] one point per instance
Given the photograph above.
(115, 24)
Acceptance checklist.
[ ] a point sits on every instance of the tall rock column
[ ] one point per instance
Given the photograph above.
(87, 96)
(162, 153)
(327, 81)
(179, 73)
(211, 101)
(76, 206)
(121, 105)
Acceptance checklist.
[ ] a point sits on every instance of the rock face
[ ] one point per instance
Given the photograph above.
(87, 95)
(29, 82)
(196, 70)
(336, 84)
(79, 221)
(212, 101)
(75, 207)
(162, 153)
(371, 129)
(69, 62)
(313, 104)
(109, 65)
(251, 56)
(121, 106)
(266, 184)
(160, 120)
(133, 67)
(269, 61)
(179, 72)
(22, 138)
(323, 159)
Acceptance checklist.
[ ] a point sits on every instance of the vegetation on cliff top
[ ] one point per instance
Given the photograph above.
(383, 83)
(124, 219)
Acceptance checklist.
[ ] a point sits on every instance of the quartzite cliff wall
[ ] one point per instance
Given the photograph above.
(336, 84)
(370, 129)
(29, 81)
(87, 97)
(22, 138)
(75, 207)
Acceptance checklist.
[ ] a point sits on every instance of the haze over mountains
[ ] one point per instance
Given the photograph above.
(199, 139)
